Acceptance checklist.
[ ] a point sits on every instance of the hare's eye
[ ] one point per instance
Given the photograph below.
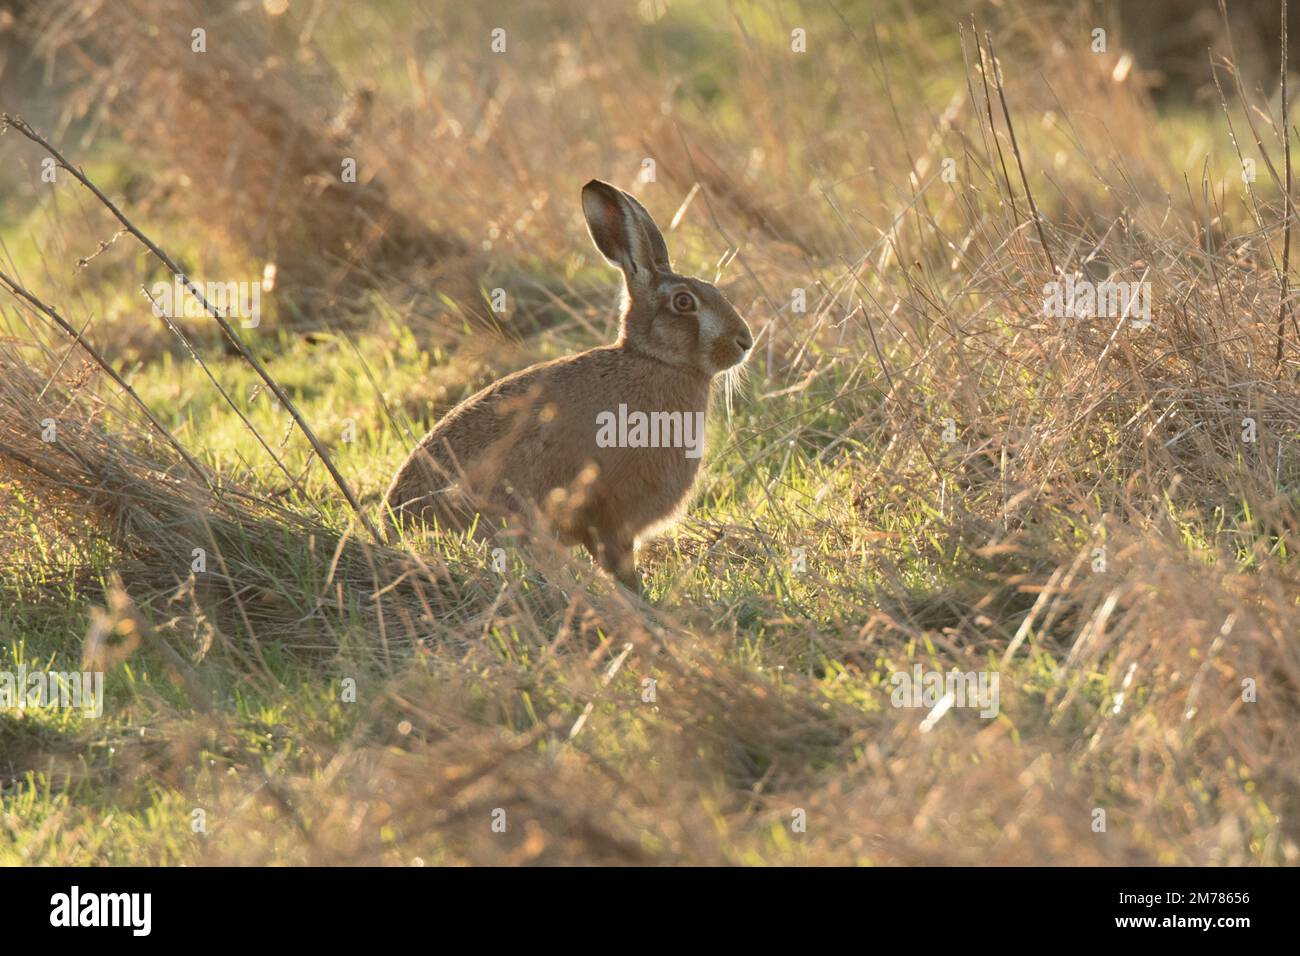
(683, 302)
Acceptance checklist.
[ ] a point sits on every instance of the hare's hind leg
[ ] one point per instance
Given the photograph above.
(443, 508)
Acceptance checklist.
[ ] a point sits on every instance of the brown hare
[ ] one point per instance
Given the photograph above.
(604, 444)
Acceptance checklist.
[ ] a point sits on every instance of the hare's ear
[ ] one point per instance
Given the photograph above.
(623, 231)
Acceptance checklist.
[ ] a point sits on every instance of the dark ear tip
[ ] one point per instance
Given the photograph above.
(595, 185)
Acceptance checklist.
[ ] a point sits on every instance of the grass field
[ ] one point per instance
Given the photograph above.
(918, 467)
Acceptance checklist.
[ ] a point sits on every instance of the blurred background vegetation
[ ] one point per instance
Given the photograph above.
(1098, 534)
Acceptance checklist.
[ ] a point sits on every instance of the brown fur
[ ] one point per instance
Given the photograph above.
(530, 439)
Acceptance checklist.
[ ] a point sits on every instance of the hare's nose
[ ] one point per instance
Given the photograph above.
(745, 341)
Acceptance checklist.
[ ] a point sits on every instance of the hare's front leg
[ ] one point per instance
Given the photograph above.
(617, 555)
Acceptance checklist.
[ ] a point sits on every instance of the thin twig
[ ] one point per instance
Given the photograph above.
(993, 130)
(1015, 148)
(20, 292)
(26, 130)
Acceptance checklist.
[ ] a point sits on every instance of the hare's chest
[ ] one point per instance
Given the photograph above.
(645, 486)
(658, 436)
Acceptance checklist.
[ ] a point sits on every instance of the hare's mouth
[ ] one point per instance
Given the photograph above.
(728, 354)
